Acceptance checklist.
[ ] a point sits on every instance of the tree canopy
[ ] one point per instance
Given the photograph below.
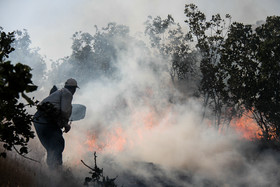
(251, 65)
(15, 82)
(240, 67)
(234, 67)
(27, 55)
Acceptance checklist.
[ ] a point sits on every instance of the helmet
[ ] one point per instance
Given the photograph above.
(71, 82)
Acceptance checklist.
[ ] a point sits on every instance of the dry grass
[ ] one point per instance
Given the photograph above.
(13, 173)
(20, 172)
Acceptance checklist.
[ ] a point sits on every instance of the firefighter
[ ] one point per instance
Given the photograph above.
(52, 116)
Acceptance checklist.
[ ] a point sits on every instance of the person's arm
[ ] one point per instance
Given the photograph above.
(66, 107)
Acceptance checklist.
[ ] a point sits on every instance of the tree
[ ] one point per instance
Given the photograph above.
(94, 56)
(209, 37)
(173, 44)
(156, 29)
(25, 54)
(109, 43)
(15, 82)
(251, 62)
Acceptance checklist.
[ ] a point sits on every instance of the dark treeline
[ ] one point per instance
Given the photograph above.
(15, 82)
(233, 68)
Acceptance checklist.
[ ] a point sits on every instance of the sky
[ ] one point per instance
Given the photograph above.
(52, 23)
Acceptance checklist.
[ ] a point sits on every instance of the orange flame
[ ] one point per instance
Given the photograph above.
(247, 127)
(113, 140)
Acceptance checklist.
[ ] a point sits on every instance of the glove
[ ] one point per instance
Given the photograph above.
(67, 128)
(61, 122)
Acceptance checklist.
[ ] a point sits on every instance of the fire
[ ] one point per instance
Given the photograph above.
(247, 127)
(113, 140)
(116, 139)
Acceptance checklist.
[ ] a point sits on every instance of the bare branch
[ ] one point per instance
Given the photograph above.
(28, 158)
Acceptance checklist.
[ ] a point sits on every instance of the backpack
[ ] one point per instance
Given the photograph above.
(54, 88)
(50, 112)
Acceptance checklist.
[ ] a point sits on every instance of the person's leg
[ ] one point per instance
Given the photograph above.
(42, 133)
(53, 141)
(55, 148)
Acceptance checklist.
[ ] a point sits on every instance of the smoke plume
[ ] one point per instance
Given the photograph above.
(143, 128)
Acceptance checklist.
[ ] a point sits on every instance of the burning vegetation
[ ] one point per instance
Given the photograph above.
(186, 106)
(247, 127)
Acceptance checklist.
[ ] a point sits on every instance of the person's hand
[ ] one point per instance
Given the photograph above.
(67, 128)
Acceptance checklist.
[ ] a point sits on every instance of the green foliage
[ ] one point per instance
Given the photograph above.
(28, 56)
(173, 44)
(240, 68)
(5, 48)
(15, 122)
(251, 63)
(234, 64)
(109, 42)
(94, 56)
(155, 29)
(210, 37)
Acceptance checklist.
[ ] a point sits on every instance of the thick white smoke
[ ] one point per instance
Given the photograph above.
(143, 119)
(141, 126)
